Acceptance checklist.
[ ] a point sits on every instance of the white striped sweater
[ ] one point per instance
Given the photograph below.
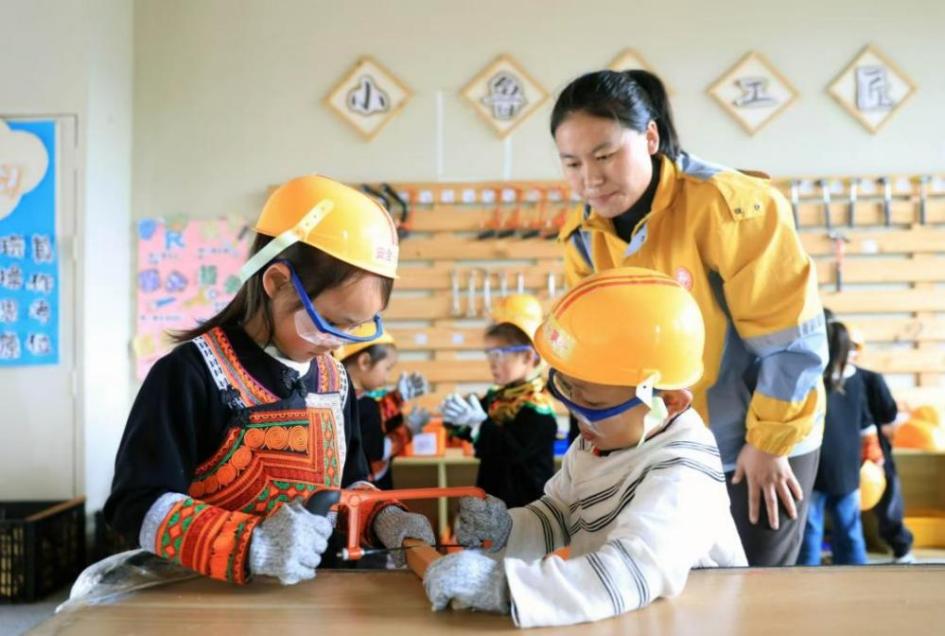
(636, 521)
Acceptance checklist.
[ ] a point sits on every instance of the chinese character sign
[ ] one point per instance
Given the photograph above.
(29, 268)
(368, 97)
(753, 92)
(188, 270)
(504, 94)
(872, 88)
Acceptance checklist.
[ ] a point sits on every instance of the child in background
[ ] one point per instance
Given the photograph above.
(850, 437)
(513, 427)
(239, 425)
(385, 431)
(890, 510)
(640, 497)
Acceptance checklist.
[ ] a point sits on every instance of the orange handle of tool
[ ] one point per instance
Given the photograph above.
(352, 500)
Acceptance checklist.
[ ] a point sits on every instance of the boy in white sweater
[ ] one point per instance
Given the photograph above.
(640, 498)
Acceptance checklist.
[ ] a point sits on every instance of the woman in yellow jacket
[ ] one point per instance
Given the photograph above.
(729, 238)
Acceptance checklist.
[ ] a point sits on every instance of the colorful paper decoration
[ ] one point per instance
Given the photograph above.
(753, 92)
(504, 94)
(368, 97)
(188, 270)
(29, 263)
(872, 88)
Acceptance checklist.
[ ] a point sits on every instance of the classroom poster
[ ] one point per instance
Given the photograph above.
(188, 270)
(29, 264)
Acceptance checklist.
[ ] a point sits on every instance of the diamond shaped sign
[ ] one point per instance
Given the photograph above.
(628, 59)
(872, 88)
(753, 92)
(504, 94)
(368, 97)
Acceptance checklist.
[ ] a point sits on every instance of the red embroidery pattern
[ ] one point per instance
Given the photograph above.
(207, 539)
(278, 456)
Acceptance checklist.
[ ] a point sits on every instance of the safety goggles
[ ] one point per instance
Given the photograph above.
(497, 354)
(310, 323)
(590, 416)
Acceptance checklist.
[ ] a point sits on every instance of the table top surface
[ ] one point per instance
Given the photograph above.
(772, 601)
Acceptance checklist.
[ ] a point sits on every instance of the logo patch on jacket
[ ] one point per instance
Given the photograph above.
(684, 277)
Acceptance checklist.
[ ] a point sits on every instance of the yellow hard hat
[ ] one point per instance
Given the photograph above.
(522, 310)
(872, 485)
(349, 349)
(332, 217)
(927, 413)
(624, 326)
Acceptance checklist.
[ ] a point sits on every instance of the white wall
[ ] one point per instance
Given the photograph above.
(107, 268)
(74, 57)
(228, 92)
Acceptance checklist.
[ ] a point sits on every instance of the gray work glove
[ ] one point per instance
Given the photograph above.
(412, 385)
(467, 579)
(417, 419)
(482, 520)
(392, 525)
(463, 412)
(289, 544)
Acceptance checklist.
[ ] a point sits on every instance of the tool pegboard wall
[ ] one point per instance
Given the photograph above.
(879, 244)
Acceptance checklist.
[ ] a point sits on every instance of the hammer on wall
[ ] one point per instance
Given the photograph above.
(839, 249)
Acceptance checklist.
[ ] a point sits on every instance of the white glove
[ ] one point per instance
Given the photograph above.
(481, 520)
(417, 419)
(289, 544)
(467, 579)
(463, 412)
(412, 385)
(392, 525)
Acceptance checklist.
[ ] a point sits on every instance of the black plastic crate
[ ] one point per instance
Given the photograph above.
(42, 547)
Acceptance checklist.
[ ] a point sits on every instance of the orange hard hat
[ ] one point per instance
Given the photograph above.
(522, 310)
(624, 326)
(332, 217)
(363, 330)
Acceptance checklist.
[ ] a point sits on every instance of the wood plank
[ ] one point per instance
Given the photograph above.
(439, 306)
(438, 371)
(419, 556)
(900, 330)
(883, 301)
(438, 338)
(869, 213)
(450, 247)
(916, 396)
(882, 270)
(918, 240)
(437, 277)
(904, 361)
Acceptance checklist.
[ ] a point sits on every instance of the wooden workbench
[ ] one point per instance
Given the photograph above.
(770, 601)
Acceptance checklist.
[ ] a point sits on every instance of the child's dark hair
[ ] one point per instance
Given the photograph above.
(317, 270)
(507, 332)
(633, 98)
(377, 352)
(838, 342)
